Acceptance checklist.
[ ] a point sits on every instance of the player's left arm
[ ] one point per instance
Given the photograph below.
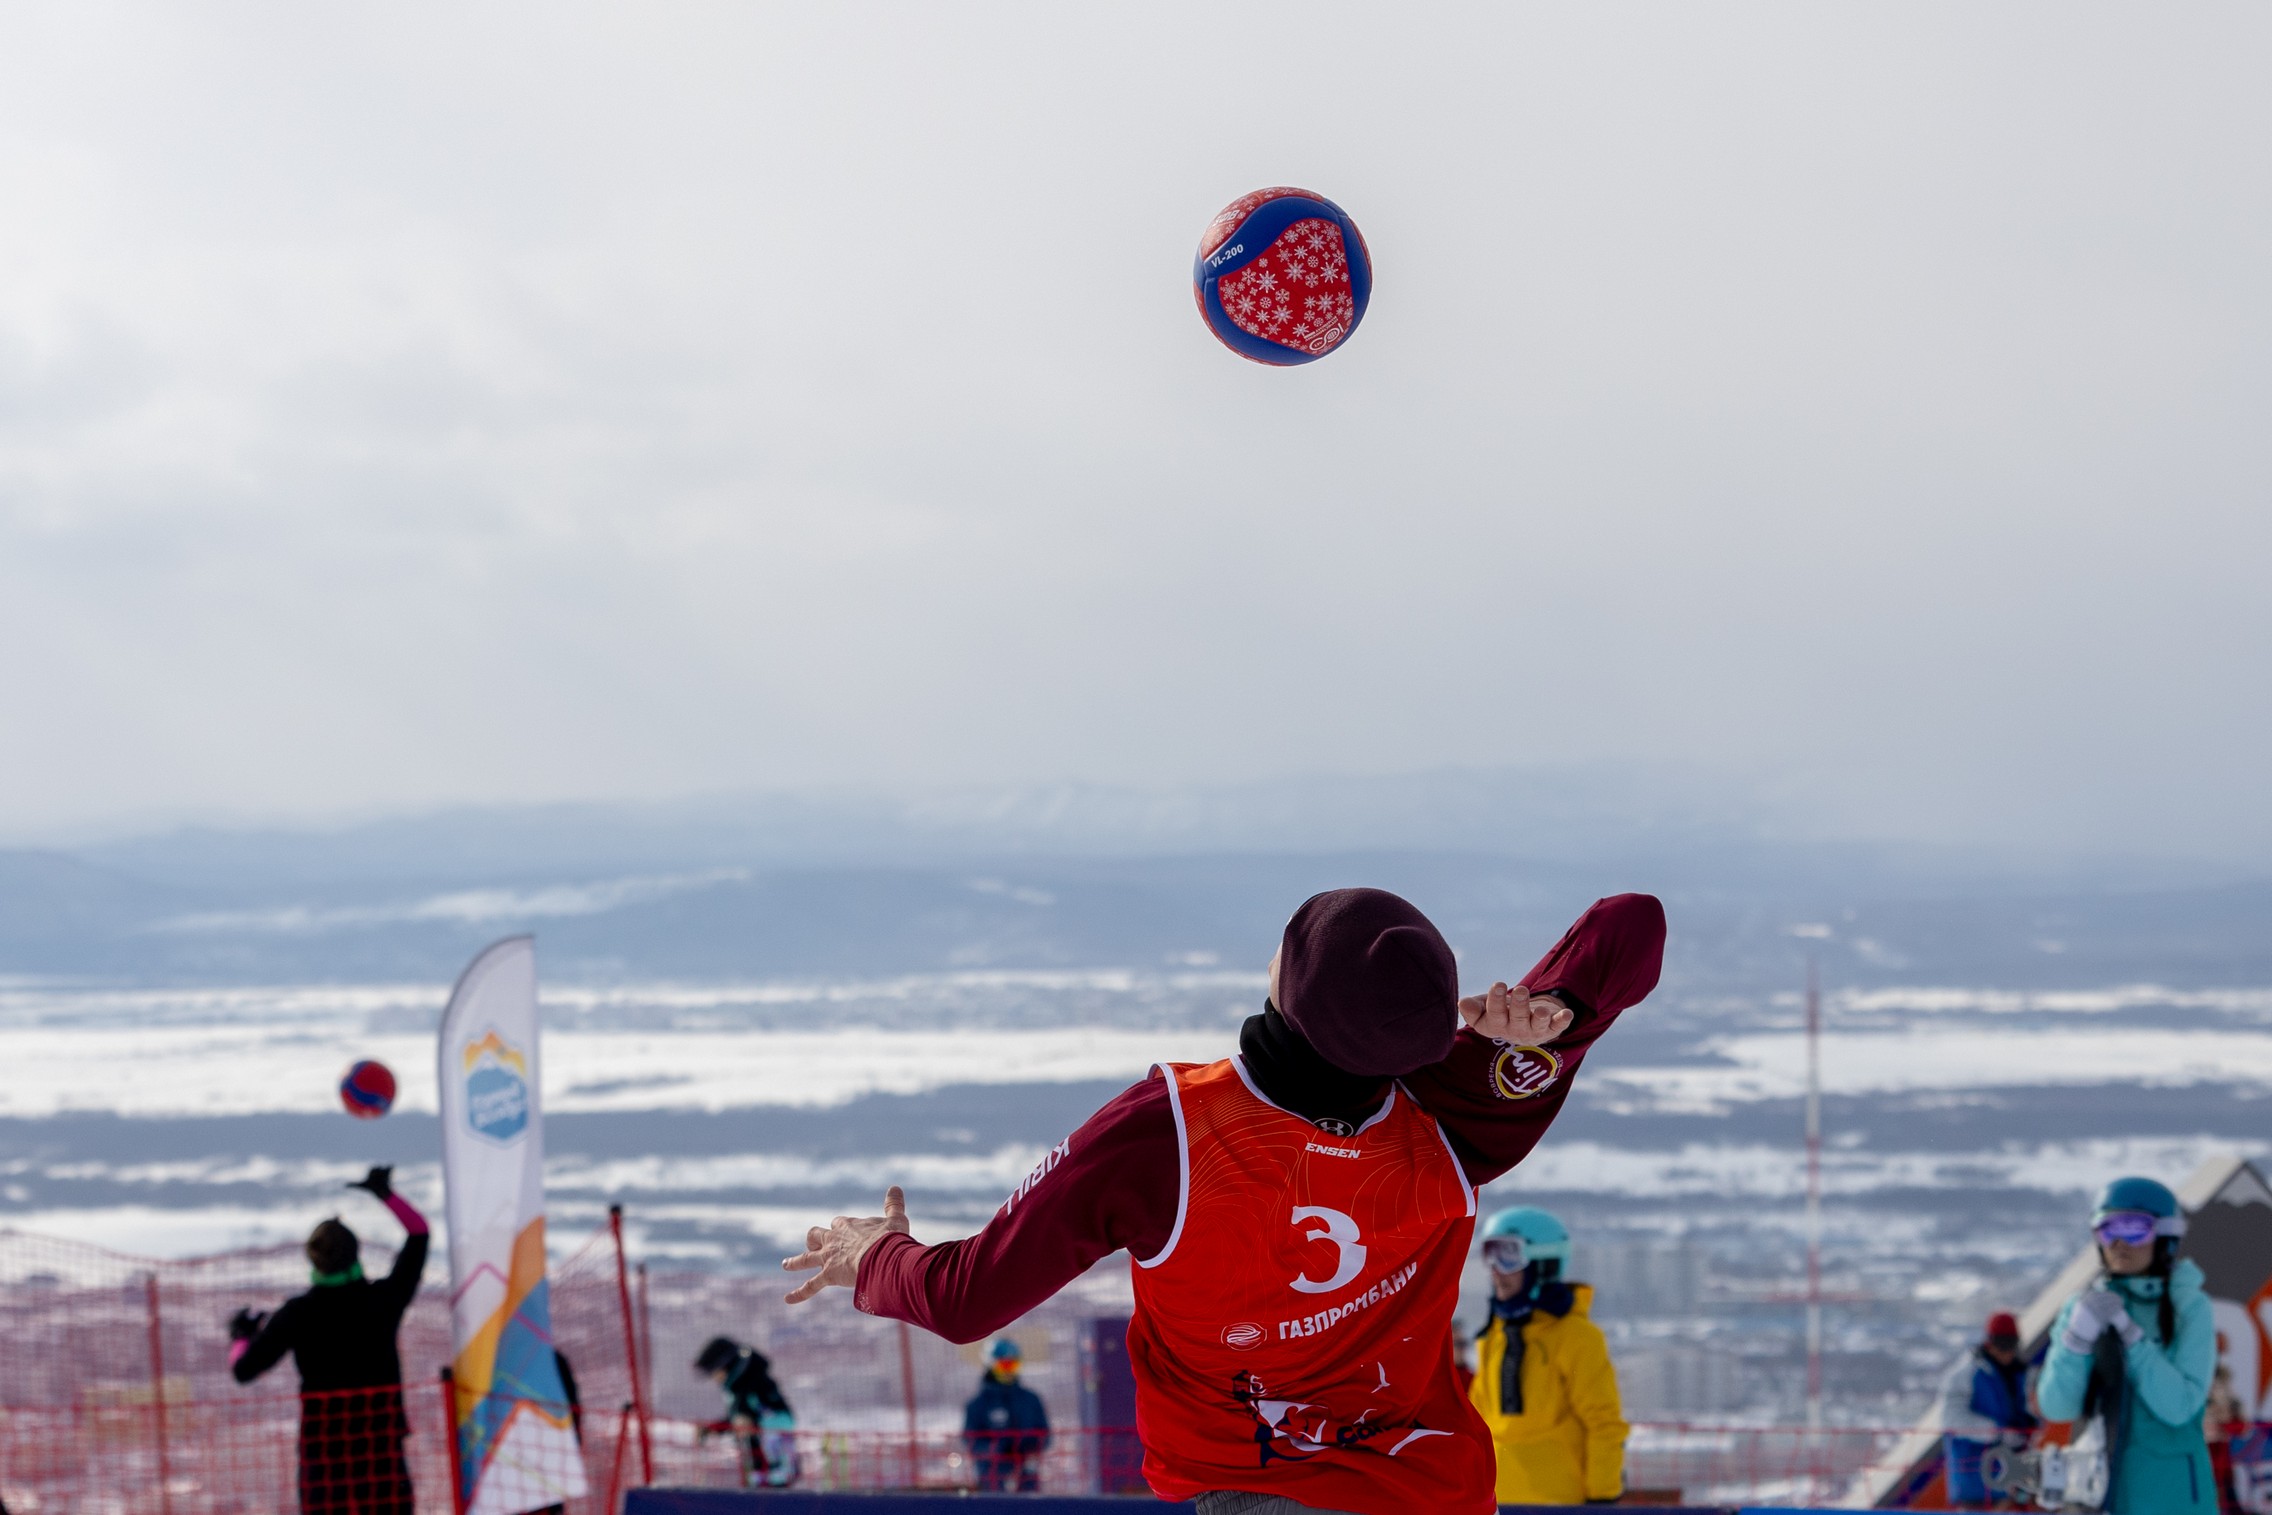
(400, 1285)
(272, 1337)
(1114, 1183)
(1493, 1097)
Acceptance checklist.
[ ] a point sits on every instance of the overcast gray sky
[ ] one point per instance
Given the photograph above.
(422, 404)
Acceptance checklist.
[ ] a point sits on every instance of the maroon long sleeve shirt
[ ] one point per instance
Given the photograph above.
(1113, 1183)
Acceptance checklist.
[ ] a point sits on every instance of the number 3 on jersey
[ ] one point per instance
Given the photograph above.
(1349, 1258)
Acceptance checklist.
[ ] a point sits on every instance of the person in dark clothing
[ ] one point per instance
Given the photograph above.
(568, 1388)
(575, 1416)
(341, 1335)
(756, 1411)
(1006, 1426)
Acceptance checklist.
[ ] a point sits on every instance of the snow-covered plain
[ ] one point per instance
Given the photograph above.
(1966, 1125)
(1757, 1171)
(237, 1070)
(655, 1049)
(676, 1047)
(1930, 1056)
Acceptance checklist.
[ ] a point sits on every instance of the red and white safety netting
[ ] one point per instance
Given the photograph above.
(116, 1394)
(116, 1398)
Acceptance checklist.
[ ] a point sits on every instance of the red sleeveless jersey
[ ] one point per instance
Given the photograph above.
(1294, 1336)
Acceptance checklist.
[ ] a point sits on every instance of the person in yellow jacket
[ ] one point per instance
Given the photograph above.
(1543, 1382)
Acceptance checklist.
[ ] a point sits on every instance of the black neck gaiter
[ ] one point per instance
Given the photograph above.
(1295, 1076)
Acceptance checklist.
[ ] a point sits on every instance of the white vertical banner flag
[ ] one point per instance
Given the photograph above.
(516, 1441)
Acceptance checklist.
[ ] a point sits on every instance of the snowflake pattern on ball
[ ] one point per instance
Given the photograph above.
(1297, 293)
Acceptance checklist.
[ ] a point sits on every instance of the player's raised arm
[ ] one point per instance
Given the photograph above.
(1516, 1015)
(832, 1252)
(1111, 1184)
(1510, 1066)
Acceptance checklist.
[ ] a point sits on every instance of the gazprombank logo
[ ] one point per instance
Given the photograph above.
(496, 1088)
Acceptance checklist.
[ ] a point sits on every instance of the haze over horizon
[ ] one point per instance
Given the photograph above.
(427, 409)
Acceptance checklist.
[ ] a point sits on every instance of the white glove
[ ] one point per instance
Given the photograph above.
(2110, 1308)
(2084, 1323)
(2107, 1312)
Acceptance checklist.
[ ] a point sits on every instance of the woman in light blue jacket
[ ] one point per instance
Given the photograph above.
(2139, 1347)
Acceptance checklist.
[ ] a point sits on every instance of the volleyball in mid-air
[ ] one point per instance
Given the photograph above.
(1282, 276)
(368, 1090)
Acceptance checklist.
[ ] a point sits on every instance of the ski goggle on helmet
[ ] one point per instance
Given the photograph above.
(2132, 1228)
(1507, 1254)
(2135, 1211)
(1524, 1237)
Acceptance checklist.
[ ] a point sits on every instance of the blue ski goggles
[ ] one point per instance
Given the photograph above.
(2132, 1228)
(1506, 1254)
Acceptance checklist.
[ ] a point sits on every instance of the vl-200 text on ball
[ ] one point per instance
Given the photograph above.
(1282, 276)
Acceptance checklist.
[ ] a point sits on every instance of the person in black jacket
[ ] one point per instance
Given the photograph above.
(757, 1411)
(1006, 1426)
(341, 1335)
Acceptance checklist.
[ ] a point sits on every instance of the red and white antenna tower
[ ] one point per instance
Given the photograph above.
(1814, 1196)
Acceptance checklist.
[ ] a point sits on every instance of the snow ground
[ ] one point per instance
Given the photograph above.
(243, 1070)
(1966, 1126)
(678, 1047)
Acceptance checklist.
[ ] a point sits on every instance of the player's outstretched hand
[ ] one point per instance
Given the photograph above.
(380, 1181)
(837, 1248)
(1516, 1015)
(246, 1324)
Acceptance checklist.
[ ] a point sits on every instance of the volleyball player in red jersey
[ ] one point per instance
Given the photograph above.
(1297, 1214)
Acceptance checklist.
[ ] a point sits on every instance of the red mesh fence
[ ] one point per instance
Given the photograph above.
(116, 1394)
(116, 1399)
(1703, 1464)
(1075, 1460)
(853, 1372)
(247, 1456)
(262, 1452)
(1753, 1465)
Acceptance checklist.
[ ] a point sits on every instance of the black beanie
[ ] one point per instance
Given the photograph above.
(1369, 982)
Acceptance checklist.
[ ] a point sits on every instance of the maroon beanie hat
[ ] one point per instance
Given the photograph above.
(1369, 981)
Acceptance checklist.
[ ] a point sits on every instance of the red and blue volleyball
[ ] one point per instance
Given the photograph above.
(1282, 276)
(368, 1090)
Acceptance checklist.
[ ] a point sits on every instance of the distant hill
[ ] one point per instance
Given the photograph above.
(1545, 813)
(58, 912)
(844, 884)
